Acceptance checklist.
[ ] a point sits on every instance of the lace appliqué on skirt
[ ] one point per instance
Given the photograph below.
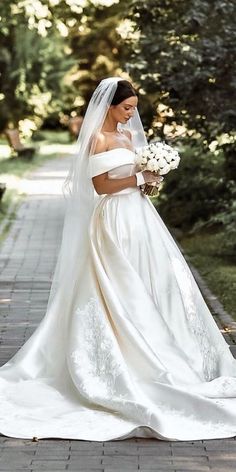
(97, 358)
(209, 352)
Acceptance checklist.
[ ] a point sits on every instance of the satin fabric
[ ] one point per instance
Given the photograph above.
(141, 354)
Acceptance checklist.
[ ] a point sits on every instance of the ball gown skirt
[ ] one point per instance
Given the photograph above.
(141, 355)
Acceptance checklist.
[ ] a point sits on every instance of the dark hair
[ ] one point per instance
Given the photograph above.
(124, 90)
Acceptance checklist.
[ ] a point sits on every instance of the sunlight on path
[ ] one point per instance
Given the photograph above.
(43, 180)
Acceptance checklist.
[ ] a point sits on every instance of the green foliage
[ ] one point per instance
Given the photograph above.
(192, 191)
(97, 47)
(33, 64)
(52, 55)
(219, 271)
(197, 196)
(185, 58)
(184, 61)
(225, 219)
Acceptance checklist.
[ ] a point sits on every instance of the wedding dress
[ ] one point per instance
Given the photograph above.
(141, 354)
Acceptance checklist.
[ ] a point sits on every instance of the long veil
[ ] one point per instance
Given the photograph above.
(117, 354)
(80, 197)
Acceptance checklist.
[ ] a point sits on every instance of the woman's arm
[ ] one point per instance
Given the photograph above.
(103, 184)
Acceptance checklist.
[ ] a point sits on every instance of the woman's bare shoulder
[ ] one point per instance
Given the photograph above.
(99, 143)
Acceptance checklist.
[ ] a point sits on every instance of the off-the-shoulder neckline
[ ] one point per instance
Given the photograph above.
(111, 150)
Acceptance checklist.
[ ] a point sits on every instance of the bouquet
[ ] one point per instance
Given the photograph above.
(157, 157)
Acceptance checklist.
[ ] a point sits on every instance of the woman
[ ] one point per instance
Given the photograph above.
(128, 346)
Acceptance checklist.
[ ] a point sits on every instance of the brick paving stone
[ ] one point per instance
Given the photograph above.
(182, 451)
(77, 445)
(27, 260)
(158, 467)
(86, 462)
(223, 446)
(222, 455)
(117, 469)
(153, 461)
(89, 452)
(45, 464)
(125, 449)
(51, 455)
(75, 469)
(127, 462)
(195, 469)
(149, 451)
(11, 464)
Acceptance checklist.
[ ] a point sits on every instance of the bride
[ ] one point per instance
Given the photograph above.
(127, 346)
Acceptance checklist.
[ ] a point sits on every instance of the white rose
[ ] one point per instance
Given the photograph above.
(156, 166)
(145, 153)
(155, 155)
(152, 147)
(168, 157)
(165, 169)
(162, 162)
(174, 164)
(163, 153)
(158, 153)
(144, 160)
(151, 165)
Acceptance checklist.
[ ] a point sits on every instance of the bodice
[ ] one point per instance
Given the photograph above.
(118, 162)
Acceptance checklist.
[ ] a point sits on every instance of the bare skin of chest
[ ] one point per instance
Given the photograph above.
(119, 140)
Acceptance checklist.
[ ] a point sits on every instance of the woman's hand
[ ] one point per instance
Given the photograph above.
(152, 177)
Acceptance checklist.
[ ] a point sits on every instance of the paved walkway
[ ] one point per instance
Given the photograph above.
(27, 261)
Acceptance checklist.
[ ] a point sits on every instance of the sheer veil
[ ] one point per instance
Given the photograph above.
(80, 198)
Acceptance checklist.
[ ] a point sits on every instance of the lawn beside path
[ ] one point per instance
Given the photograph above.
(218, 271)
(28, 255)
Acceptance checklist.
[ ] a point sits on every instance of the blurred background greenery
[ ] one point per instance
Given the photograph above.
(181, 57)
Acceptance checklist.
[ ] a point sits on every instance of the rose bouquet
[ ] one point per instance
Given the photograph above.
(157, 157)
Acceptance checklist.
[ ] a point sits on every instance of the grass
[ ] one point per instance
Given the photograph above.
(218, 271)
(58, 136)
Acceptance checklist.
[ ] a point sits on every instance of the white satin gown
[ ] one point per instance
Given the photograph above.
(143, 355)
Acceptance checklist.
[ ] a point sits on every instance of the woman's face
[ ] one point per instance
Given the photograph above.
(124, 110)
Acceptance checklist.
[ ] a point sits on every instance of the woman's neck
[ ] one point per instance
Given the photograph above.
(110, 125)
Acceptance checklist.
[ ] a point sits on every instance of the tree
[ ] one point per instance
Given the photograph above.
(33, 62)
(53, 53)
(97, 46)
(184, 59)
